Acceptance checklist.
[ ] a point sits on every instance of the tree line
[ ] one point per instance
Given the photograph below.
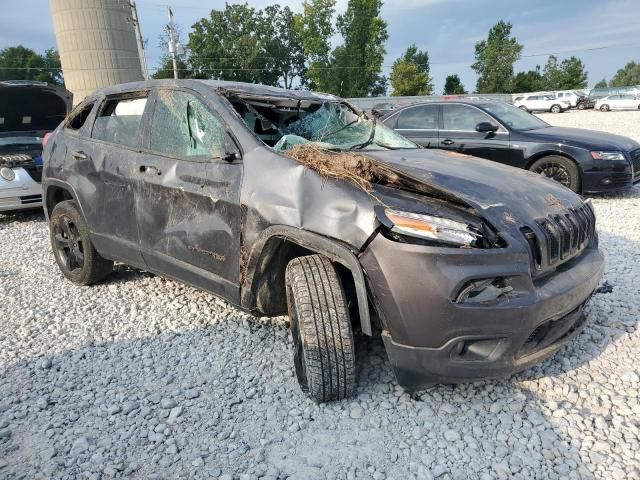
(341, 54)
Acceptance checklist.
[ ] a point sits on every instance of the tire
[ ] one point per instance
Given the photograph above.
(72, 248)
(581, 106)
(556, 109)
(560, 169)
(522, 107)
(324, 355)
(604, 108)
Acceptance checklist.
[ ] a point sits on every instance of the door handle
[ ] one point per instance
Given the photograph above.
(80, 155)
(149, 170)
(448, 142)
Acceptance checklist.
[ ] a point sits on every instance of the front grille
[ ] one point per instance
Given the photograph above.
(553, 331)
(635, 161)
(563, 236)
(27, 199)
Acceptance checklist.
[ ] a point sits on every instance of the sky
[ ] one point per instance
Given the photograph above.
(604, 34)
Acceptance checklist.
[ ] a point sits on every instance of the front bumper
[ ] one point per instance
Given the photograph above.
(21, 193)
(607, 176)
(431, 339)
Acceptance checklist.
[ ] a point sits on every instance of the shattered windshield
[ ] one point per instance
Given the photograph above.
(331, 124)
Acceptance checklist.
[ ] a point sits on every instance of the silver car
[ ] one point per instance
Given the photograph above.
(28, 110)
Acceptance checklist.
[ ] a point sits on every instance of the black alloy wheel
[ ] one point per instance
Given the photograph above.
(69, 244)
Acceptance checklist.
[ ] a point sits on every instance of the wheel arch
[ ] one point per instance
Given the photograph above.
(56, 191)
(550, 153)
(263, 270)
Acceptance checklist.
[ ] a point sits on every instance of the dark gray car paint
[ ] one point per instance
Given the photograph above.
(226, 226)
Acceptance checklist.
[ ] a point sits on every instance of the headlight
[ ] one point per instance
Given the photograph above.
(608, 156)
(7, 173)
(429, 227)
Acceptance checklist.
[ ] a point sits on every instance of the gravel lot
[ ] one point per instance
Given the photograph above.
(144, 377)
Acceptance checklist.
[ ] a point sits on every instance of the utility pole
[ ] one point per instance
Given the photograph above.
(136, 25)
(172, 44)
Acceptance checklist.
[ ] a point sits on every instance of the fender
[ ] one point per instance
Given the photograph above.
(333, 249)
(62, 184)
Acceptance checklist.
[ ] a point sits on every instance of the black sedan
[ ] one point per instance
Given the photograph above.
(583, 160)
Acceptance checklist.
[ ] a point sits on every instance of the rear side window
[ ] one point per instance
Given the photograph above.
(119, 121)
(463, 117)
(79, 116)
(424, 117)
(183, 126)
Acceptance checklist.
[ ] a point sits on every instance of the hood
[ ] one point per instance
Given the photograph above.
(590, 139)
(27, 106)
(508, 197)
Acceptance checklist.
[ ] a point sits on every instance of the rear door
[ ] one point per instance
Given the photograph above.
(419, 124)
(188, 195)
(458, 133)
(105, 168)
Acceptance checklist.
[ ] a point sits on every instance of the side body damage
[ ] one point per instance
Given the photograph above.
(504, 288)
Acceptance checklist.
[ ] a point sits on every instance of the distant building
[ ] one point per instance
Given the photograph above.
(97, 44)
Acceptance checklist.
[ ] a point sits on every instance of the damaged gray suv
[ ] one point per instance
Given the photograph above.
(290, 201)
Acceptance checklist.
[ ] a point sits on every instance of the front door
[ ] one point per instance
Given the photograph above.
(458, 133)
(188, 195)
(419, 124)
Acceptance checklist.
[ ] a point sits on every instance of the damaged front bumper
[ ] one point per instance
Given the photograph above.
(21, 192)
(433, 334)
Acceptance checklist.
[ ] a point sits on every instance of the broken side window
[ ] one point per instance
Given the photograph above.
(183, 126)
(119, 121)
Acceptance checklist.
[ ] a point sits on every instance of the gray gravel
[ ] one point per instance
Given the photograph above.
(144, 377)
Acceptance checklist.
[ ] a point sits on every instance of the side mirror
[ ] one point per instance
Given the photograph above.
(230, 157)
(485, 127)
(231, 153)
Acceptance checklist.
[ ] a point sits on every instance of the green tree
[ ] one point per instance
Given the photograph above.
(602, 83)
(495, 57)
(357, 63)
(627, 76)
(244, 44)
(453, 86)
(530, 81)
(407, 79)
(315, 27)
(410, 74)
(21, 63)
(566, 75)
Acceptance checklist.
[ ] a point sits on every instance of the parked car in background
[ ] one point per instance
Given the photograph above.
(600, 93)
(286, 200)
(618, 102)
(575, 98)
(582, 160)
(28, 110)
(542, 103)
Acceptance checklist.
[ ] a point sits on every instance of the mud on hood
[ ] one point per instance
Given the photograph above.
(506, 196)
(27, 106)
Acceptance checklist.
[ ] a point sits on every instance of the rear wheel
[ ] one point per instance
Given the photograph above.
(324, 355)
(605, 108)
(556, 108)
(74, 253)
(522, 107)
(560, 169)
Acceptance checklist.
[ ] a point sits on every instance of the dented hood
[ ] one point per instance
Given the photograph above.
(500, 193)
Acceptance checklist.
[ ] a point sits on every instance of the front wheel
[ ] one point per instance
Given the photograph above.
(604, 108)
(581, 106)
(324, 354)
(556, 109)
(522, 107)
(560, 169)
(72, 248)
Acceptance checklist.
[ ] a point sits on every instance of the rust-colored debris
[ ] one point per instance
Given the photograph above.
(552, 201)
(355, 168)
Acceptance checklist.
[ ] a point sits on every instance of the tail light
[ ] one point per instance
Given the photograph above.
(46, 139)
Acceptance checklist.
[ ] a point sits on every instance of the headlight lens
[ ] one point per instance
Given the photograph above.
(608, 156)
(433, 228)
(7, 173)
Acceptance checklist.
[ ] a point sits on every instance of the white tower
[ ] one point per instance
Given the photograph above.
(97, 44)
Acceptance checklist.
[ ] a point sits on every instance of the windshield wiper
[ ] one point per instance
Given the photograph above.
(371, 137)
